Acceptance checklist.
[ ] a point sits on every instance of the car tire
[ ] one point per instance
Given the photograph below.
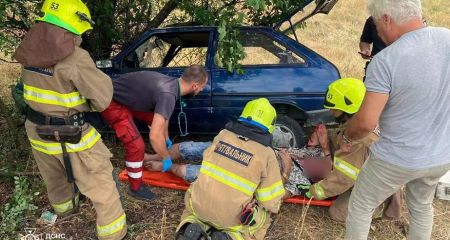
(288, 133)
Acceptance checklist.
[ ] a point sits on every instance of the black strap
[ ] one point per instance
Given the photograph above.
(42, 119)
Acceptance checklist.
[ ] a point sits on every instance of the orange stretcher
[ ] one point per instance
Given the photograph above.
(168, 180)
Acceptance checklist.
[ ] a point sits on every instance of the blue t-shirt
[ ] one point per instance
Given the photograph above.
(415, 123)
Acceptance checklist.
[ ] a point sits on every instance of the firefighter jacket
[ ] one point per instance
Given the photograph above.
(346, 166)
(60, 79)
(239, 167)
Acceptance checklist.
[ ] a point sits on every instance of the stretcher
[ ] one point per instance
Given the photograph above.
(168, 180)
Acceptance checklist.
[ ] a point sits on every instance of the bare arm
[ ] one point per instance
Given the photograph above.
(166, 130)
(365, 121)
(157, 136)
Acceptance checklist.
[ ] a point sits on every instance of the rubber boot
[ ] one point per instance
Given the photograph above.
(217, 235)
(143, 193)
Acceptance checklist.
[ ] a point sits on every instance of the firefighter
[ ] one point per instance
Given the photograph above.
(150, 97)
(239, 184)
(343, 98)
(61, 83)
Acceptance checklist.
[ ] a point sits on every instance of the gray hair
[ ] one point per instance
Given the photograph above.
(399, 10)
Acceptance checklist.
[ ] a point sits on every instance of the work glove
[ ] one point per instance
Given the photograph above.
(304, 190)
(169, 144)
(248, 215)
(166, 164)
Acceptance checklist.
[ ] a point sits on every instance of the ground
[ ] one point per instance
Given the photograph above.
(334, 36)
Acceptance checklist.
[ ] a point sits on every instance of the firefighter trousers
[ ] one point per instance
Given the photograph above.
(92, 171)
(238, 232)
(120, 118)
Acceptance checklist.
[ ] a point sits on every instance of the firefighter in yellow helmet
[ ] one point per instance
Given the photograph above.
(61, 83)
(239, 184)
(344, 98)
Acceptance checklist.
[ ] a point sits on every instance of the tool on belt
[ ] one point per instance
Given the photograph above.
(61, 130)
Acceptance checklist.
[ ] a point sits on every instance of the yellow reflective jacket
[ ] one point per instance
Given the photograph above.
(235, 171)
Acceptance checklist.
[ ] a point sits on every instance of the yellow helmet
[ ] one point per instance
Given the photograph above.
(345, 94)
(72, 15)
(261, 113)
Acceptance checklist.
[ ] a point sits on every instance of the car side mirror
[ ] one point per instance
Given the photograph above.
(103, 64)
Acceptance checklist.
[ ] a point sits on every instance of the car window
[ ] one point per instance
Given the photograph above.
(189, 56)
(180, 49)
(262, 50)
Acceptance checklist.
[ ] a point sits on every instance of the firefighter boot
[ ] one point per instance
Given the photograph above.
(193, 231)
(217, 235)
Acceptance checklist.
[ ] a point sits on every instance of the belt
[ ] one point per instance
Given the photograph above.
(42, 119)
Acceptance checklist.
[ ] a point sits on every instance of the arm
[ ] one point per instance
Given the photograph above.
(157, 137)
(365, 121)
(366, 39)
(92, 83)
(166, 130)
(270, 191)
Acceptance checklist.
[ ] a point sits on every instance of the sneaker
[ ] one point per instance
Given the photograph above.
(143, 193)
(193, 231)
(217, 235)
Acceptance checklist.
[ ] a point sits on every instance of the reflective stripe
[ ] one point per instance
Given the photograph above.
(135, 174)
(318, 190)
(45, 96)
(52, 148)
(133, 164)
(259, 223)
(236, 228)
(346, 168)
(113, 227)
(228, 178)
(65, 206)
(271, 192)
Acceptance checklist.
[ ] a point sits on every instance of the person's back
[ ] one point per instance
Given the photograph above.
(240, 164)
(415, 72)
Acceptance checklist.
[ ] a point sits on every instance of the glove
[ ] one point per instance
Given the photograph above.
(248, 216)
(168, 143)
(304, 190)
(167, 163)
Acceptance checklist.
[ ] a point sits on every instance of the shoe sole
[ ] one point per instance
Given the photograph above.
(192, 232)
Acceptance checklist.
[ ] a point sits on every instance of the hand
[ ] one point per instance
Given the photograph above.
(344, 147)
(169, 144)
(167, 163)
(304, 190)
(365, 54)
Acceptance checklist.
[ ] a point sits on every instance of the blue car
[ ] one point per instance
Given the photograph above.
(293, 77)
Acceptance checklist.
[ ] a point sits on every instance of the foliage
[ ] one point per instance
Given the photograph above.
(119, 21)
(12, 215)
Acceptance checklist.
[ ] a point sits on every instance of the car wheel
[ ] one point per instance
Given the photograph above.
(288, 133)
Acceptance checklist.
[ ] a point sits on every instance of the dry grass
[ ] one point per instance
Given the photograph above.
(334, 36)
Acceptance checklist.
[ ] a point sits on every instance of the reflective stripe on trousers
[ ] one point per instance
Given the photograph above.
(228, 178)
(63, 207)
(112, 228)
(50, 97)
(53, 148)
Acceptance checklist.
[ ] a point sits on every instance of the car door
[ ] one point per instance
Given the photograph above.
(275, 67)
(170, 51)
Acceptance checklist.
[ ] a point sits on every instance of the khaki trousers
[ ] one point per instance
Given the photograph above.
(92, 170)
(377, 181)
